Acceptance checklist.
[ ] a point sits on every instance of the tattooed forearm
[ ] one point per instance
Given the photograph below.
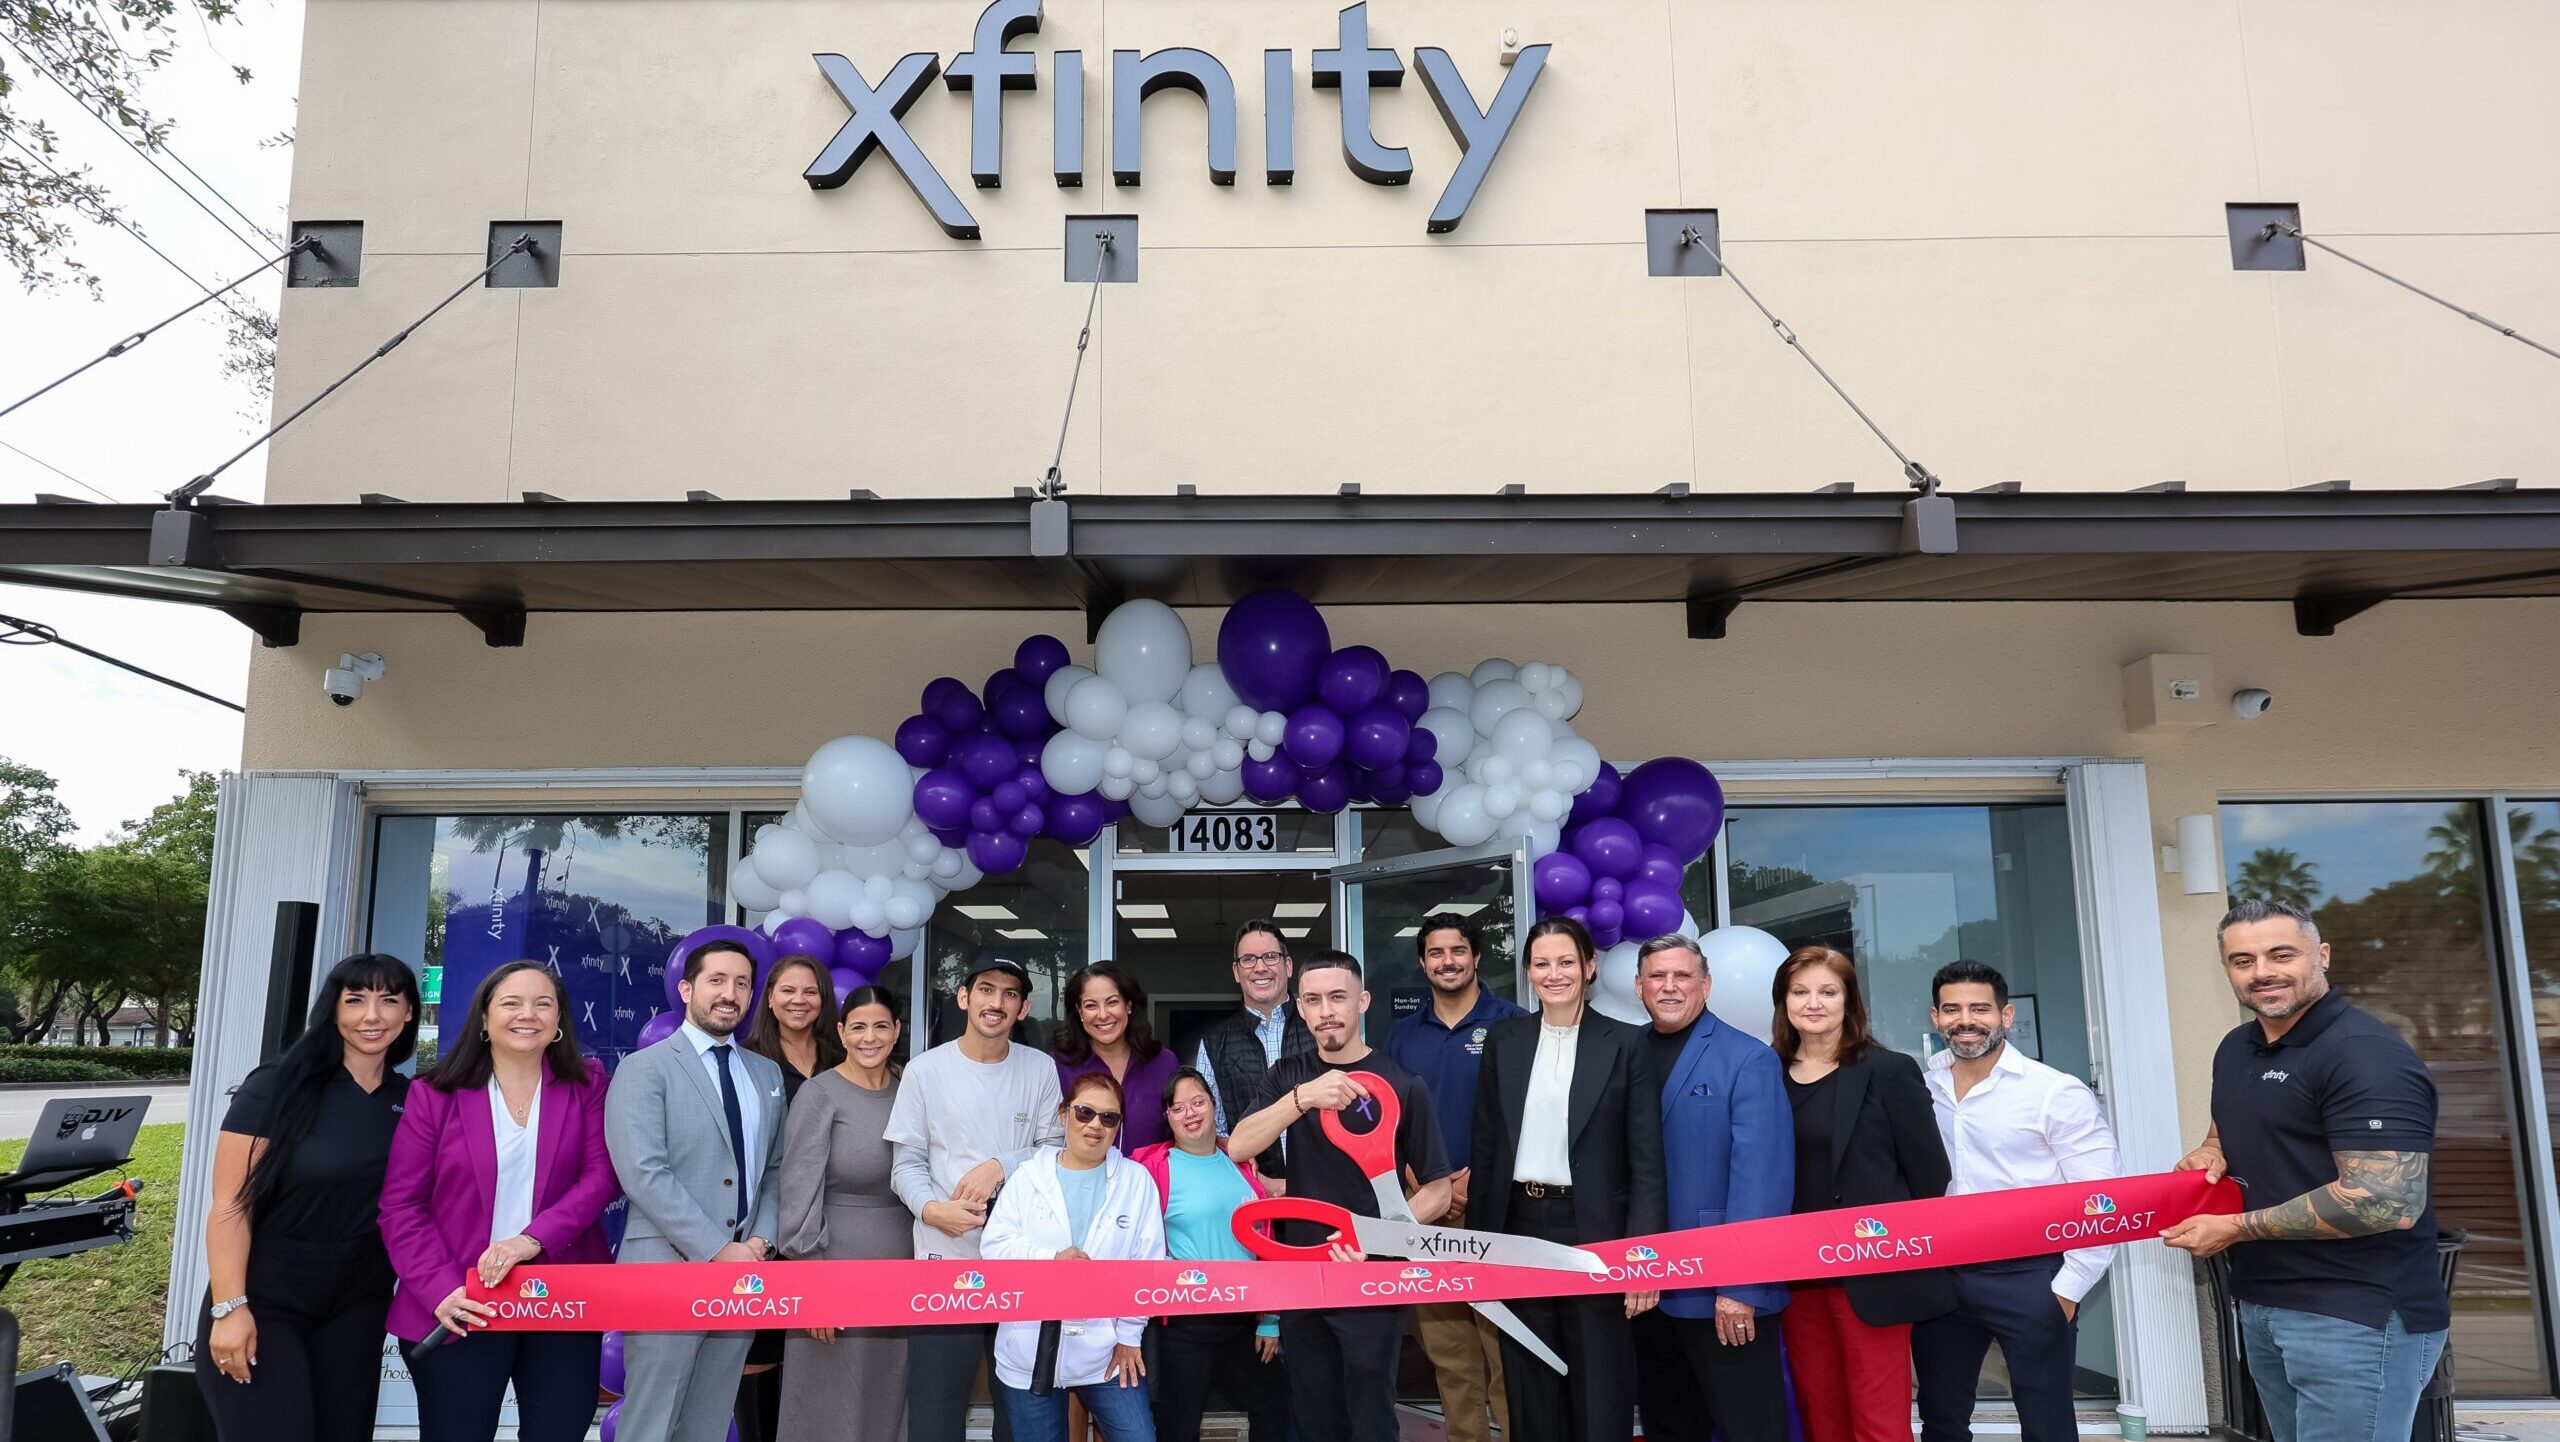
(2375, 1192)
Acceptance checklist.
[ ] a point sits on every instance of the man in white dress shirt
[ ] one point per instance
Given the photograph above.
(2008, 1121)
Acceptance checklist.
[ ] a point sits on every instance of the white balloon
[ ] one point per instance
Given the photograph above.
(948, 864)
(1544, 838)
(831, 895)
(1157, 810)
(1053, 692)
(1227, 754)
(751, 891)
(1500, 802)
(1155, 787)
(1494, 700)
(1151, 730)
(859, 789)
(903, 944)
(1071, 763)
(1491, 767)
(1144, 647)
(1570, 689)
(910, 904)
(1201, 766)
(1549, 704)
(878, 888)
(1270, 728)
(1095, 706)
(1453, 690)
(1744, 961)
(1199, 733)
(1522, 735)
(1426, 809)
(1537, 774)
(1243, 722)
(1261, 750)
(1144, 772)
(885, 859)
(1206, 694)
(798, 819)
(871, 914)
(917, 870)
(1117, 788)
(1613, 987)
(1537, 676)
(922, 846)
(784, 859)
(791, 904)
(1493, 668)
(1455, 734)
(1516, 825)
(1576, 763)
(1463, 819)
(1117, 763)
(1223, 787)
(1548, 804)
(1182, 786)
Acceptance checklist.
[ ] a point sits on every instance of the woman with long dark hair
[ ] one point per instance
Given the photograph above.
(289, 1342)
(499, 1160)
(1238, 1353)
(1106, 1030)
(1865, 1134)
(797, 1029)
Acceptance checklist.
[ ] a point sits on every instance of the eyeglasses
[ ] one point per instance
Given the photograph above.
(1257, 960)
(1196, 1104)
(1087, 1116)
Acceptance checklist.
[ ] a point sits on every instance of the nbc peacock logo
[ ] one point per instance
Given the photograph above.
(1643, 1254)
(1191, 1277)
(533, 1287)
(2099, 1205)
(749, 1285)
(969, 1282)
(1415, 1274)
(1867, 1227)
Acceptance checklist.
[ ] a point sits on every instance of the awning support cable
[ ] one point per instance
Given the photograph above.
(188, 492)
(138, 337)
(1922, 479)
(15, 632)
(1054, 485)
(2276, 228)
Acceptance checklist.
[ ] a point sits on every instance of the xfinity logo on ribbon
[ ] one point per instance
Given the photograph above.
(987, 69)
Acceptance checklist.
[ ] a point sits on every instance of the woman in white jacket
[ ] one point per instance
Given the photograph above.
(1083, 1203)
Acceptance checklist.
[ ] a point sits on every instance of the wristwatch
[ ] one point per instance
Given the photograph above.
(225, 1309)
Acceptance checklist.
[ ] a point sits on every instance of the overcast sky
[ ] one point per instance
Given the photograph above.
(139, 425)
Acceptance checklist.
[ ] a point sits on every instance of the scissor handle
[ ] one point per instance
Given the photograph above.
(1250, 1218)
(1373, 1151)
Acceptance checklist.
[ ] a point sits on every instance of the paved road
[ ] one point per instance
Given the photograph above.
(18, 1108)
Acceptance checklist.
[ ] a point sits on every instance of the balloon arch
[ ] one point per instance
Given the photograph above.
(883, 830)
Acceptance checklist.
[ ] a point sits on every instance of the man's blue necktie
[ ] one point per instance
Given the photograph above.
(737, 1133)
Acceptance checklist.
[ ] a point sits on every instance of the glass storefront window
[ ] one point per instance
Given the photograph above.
(2533, 834)
(600, 898)
(2400, 895)
(1036, 916)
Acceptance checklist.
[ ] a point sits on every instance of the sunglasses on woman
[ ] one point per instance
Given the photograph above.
(1086, 1116)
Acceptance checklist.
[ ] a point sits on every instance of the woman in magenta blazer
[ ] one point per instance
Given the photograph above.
(499, 1160)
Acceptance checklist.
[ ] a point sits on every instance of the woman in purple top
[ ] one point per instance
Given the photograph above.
(1106, 1030)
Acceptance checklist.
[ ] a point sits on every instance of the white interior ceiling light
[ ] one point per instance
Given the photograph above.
(1024, 933)
(1142, 911)
(1153, 933)
(1293, 932)
(1294, 910)
(988, 913)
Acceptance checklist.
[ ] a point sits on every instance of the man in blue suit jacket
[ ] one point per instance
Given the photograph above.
(1707, 1359)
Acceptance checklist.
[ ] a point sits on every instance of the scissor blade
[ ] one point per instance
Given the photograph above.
(1501, 1316)
(1456, 1244)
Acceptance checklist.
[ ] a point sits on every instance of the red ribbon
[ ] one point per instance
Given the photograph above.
(1851, 1242)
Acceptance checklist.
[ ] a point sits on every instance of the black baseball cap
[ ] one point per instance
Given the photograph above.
(987, 961)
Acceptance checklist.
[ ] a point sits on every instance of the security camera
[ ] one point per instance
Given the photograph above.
(2252, 703)
(345, 681)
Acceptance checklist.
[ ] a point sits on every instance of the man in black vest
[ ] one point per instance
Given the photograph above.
(1236, 1053)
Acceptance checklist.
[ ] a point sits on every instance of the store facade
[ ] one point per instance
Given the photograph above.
(737, 472)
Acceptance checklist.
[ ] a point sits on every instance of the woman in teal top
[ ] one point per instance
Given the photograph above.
(1236, 1353)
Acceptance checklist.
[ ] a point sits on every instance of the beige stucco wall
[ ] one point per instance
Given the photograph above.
(1998, 221)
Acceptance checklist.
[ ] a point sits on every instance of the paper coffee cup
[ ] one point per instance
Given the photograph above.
(2133, 1422)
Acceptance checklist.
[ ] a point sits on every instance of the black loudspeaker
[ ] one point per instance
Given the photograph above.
(52, 1408)
(289, 975)
(173, 1409)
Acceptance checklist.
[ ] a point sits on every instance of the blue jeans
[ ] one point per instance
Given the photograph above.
(1123, 1413)
(2325, 1379)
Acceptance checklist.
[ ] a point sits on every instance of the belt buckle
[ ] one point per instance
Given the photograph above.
(1535, 1189)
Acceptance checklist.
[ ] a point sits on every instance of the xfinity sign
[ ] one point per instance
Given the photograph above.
(988, 69)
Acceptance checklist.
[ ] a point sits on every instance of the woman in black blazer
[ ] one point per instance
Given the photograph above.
(1865, 1135)
(1568, 1148)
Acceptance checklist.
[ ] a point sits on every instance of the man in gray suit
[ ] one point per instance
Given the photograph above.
(695, 1127)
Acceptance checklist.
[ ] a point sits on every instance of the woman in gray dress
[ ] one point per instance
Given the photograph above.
(846, 1384)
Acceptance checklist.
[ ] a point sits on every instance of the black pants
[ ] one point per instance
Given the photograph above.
(759, 1410)
(2011, 1303)
(1689, 1386)
(319, 1310)
(942, 1371)
(1198, 1353)
(462, 1384)
(1596, 1397)
(1342, 1372)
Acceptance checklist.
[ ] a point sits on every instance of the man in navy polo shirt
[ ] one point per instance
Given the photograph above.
(1443, 1043)
(2326, 1118)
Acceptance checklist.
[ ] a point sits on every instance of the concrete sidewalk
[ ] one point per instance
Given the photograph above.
(18, 1107)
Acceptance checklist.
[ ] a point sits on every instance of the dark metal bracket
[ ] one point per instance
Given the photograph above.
(2320, 615)
(276, 626)
(500, 626)
(1708, 614)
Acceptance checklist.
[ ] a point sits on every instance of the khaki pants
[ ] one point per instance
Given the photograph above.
(1466, 1354)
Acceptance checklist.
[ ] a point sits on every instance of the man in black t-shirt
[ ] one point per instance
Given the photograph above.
(2326, 1118)
(1342, 1365)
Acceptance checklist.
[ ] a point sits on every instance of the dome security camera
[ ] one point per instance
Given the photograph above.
(344, 682)
(2252, 703)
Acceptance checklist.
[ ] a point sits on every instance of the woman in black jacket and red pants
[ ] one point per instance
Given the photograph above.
(1865, 1135)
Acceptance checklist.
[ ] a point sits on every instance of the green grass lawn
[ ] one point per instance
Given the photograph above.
(101, 1308)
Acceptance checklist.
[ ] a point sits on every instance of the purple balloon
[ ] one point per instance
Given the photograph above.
(1026, 821)
(1421, 745)
(1271, 645)
(1604, 937)
(1358, 784)
(939, 693)
(609, 1370)
(999, 681)
(1423, 776)
(802, 936)
(613, 1418)
(1607, 888)
(1674, 802)
(1271, 779)
(1352, 679)
(1651, 911)
(1563, 879)
(845, 979)
(985, 815)
(1661, 868)
(996, 852)
(858, 950)
(1607, 916)
(1609, 847)
(1376, 737)
(958, 710)
(1035, 787)
(1315, 735)
(1009, 796)
(1326, 792)
(1382, 777)
(942, 798)
(985, 760)
(1020, 713)
(1601, 797)
(1409, 694)
(1027, 752)
(922, 740)
(1390, 793)
(1579, 914)
(658, 1028)
(757, 947)
(1038, 657)
(1077, 819)
(954, 837)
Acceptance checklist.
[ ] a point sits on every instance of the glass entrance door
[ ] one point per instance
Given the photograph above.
(1379, 906)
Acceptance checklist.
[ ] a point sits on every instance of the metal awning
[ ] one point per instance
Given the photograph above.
(2330, 552)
